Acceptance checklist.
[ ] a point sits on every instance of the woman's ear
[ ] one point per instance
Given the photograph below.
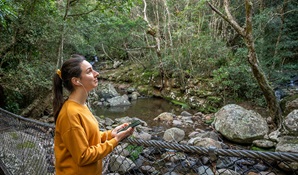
(76, 81)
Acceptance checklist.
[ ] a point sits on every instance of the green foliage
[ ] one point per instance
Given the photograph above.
(31, 33)
(182, 104)
(255, 148)
(236, 81)
(209, 121)
(134, 151)
(276, 40)
(13, 100)
(7, 12)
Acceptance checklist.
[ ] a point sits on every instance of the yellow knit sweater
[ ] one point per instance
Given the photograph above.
(78, 144)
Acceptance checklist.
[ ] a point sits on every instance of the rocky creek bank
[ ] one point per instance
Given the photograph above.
(231, 126)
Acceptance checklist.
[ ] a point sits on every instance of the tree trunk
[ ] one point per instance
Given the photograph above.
(246, 33)
(154, 32)
(39, 105)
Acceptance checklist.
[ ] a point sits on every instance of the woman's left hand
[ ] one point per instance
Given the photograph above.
(122, 134)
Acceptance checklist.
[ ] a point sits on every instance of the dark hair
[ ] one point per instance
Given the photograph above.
(70, 68)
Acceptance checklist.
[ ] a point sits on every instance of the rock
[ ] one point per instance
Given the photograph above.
(291, 123)
(264, 143)
(177, 123)
(226, 172)
(107, 91)
(204, 142)
(108, 121)
(142, 135)
(174, 135)
(240, 125)
(291, 105)
(120, 150)
(120, 164)
(165, 116)
(185, 113)
(187, 120)
(205, 170)
(119, 101)
(274, 135)
(147, 169)
(134, 96)
(173, 156)
(208, 134)
(287, 144)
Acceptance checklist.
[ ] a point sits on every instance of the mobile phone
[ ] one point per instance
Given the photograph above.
(132, 124)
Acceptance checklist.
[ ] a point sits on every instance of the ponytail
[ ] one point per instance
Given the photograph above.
(62, 78)
(58, 95)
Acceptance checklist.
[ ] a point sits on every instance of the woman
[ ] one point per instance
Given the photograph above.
(79, 144)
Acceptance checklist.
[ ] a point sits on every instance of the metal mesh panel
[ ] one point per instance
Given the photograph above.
(26, 145)
(157, 157)
(27, 149)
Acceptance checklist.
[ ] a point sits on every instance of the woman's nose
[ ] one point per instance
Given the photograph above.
(95, 73)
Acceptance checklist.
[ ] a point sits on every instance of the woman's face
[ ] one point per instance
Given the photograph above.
(88, 76)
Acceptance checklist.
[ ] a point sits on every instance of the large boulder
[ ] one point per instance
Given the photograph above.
(107, 91)
(119, 101)
(291, 123)
(240, 125)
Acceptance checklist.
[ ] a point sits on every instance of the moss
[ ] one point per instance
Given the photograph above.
(26, 144)
(255, 148)
(209, 121)
(14, 135)
(176, 102)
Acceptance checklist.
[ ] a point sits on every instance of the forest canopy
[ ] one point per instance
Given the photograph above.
(184, 38)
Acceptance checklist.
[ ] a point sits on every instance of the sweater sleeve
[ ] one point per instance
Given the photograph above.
(106, 135)
(76, 142)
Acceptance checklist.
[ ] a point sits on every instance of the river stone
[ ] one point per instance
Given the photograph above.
(177, 122)
(174, 135)
(204, 134)
(240, 125)
(291, 122)
(185, 113)
(165, 116)
(121, 164)
(148, 169)
(142, 135)
(107, 91)
(287, 144)
(291, 105)
(226, 172)
(119, 101)
(205, 170)
(264, 143)
(204, 142)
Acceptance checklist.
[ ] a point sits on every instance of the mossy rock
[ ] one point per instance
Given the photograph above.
(285, 100)
(255, 148)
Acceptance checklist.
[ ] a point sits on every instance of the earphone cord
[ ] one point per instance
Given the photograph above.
(87, 101)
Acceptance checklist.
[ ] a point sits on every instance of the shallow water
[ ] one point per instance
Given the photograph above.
(145, 109)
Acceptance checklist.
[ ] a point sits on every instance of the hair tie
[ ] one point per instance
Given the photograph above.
(59, 73)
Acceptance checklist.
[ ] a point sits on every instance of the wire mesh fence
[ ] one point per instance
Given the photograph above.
(27, 149)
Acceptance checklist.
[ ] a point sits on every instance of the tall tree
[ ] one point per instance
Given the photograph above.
(247, 34)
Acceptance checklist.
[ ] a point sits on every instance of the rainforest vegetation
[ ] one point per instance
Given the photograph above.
(244, 48)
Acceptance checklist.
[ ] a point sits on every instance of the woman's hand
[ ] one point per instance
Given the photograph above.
(123, 134)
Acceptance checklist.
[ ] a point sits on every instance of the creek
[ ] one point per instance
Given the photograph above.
(145, 109)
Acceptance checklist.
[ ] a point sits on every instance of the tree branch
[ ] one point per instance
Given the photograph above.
(228, 18)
